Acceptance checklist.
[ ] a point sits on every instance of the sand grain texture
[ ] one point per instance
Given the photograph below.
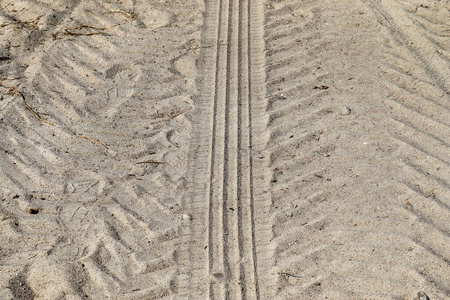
(225, 149)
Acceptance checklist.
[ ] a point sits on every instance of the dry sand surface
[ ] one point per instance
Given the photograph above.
(224, 149)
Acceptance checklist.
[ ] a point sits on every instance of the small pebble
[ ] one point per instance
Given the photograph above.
(218, 276)
(33, 211)
(345, 110)
(187, 217)
(421, 296)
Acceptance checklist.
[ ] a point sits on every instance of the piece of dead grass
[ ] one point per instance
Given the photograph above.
(16, 91)
(32, 24)
(169, 116)
(130, 15)
(93, 140)
(80, 31)
(150, 162)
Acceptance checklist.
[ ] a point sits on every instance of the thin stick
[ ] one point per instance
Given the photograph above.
(288, 275)
(169, 116)
(81, 26)
(26, 104)
(70, 31)
(85, 34)
(6, 5)
(150, 162)
(93, 140)
(130, 15)
(27, 24)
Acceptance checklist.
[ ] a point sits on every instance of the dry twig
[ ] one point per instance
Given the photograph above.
(93, 140)
(169, 116)
(130, 15)
(24, 24)
(288, 275)
(26, 104)
(76, 31)
(415, 9)
(150, 162)
(6, 5)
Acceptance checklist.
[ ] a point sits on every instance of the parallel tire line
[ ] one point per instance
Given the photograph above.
(222, 183)
(235, 188)
(217, 264)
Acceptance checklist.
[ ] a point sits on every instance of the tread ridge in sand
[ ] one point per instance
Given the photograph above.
(422, 158)
(87, 85)
(429, 63)
(227, 134)
(414, 86)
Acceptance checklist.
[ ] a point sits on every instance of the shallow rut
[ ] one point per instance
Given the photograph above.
(229, 200)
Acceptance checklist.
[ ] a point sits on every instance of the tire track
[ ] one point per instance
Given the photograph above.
(420, 127)
(113, 223)
(226, 231)
(440, 77)
(337, 220)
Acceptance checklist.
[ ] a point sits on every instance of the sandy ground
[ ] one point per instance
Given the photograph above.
(224, 149)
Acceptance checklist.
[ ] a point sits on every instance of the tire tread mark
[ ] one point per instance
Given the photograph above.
(250, 145)
(213, 153)
(232, 107)
(397, 31)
